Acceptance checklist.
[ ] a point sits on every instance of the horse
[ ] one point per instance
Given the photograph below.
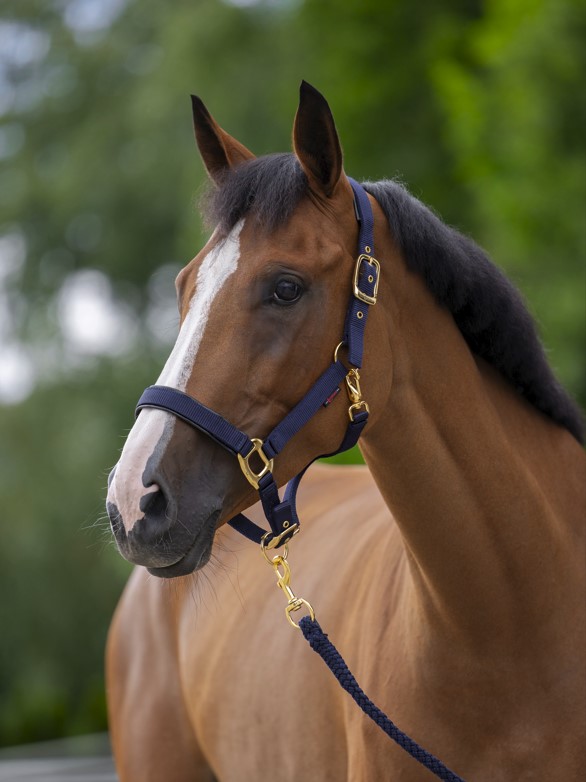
(449, 569)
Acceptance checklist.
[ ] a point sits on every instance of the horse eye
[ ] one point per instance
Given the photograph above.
(287, 291)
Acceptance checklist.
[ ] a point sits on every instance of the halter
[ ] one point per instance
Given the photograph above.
(282, 514)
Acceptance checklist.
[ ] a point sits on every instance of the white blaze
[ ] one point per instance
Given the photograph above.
(153, 426)
(215, 269)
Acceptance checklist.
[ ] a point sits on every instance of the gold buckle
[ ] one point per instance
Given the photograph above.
(289, 532)
(251, 476)
(357, 292)
(361, 405)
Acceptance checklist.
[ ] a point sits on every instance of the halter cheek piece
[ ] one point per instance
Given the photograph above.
(282, 515)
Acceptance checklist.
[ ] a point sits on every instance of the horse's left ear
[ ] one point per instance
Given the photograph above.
(315, 140)
(218, 150)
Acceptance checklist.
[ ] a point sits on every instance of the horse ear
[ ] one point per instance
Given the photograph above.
(218, 150)
(315, 140)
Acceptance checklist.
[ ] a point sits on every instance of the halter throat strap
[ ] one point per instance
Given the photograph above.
(282, 514)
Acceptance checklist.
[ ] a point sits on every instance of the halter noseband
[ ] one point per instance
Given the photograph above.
(282, 515)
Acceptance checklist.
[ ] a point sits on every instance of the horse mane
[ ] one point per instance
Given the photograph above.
(487, 308)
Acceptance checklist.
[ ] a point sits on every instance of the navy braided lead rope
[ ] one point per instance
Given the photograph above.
(321, 644)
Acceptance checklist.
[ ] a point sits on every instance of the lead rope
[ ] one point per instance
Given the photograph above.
(320, 643)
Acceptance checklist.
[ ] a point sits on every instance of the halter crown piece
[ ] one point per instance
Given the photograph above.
(282, 514)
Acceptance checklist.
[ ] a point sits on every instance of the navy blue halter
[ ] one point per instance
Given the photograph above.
(282, 514)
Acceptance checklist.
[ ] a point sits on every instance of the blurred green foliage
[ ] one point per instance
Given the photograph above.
(477, 106)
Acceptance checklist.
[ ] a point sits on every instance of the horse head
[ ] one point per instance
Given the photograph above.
(262, 308)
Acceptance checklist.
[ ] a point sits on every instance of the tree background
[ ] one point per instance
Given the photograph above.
(479, 107)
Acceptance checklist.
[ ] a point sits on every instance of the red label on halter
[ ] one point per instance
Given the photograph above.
(331, 397)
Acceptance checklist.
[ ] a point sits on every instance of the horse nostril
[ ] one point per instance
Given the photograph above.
(154, 503)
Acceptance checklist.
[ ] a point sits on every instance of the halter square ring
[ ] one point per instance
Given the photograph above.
(365, 297)
(251, 476)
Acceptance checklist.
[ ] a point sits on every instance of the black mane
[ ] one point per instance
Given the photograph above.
(487, 308)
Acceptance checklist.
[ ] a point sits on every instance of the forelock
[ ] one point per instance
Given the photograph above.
(269, 188)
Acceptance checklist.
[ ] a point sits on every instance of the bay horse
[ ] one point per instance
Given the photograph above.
(449, 571)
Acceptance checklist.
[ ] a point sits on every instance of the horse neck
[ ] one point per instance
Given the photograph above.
(487, 492)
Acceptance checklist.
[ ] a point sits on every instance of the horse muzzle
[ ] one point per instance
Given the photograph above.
(167, 544)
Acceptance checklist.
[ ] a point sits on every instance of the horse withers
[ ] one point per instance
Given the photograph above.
(449, 571)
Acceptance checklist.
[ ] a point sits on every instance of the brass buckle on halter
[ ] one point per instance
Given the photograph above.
(365, 297)
(251, 476)
(289, 531)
